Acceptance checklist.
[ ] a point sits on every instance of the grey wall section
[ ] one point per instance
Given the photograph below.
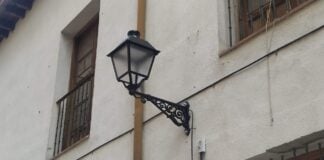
(28, 65)
(112, 110)
(270, 103)
(274, 101)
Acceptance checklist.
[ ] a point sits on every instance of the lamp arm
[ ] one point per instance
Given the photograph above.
(177, 112)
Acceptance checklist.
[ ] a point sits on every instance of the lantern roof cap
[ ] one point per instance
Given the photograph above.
(133, 38)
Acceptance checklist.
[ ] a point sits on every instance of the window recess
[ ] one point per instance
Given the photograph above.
(74, 108)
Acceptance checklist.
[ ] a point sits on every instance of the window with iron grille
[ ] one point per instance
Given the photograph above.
(74, 108)
(314, 155)
(254, 14)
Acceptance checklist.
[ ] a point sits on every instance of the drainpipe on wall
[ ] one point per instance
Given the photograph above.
(139, 107)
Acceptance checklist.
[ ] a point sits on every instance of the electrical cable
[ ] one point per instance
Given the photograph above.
(268, 49)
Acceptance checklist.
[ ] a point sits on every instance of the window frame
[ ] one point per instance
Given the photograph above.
(64, 143)
(255, 18)
(238, 42)
(73, 83)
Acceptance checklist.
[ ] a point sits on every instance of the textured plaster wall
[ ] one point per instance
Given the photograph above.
(235, 115)
(187, 38)
(191, 57)
(112, 110)
(35, 62)
(256, 107)
(28, 65)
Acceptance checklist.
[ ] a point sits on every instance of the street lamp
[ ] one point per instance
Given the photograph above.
(132, 61)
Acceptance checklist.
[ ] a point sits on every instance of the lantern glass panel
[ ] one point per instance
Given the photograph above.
(120, 60)
(141, 60)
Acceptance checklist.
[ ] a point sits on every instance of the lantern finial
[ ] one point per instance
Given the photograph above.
(133, 33)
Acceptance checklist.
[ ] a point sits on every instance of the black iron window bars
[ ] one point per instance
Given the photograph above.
(74, 115)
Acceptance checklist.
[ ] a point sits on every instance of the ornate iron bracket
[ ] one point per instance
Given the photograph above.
(178, 113)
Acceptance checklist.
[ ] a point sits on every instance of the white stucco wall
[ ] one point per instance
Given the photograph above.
(234, 116)
(112, 110)
(28, 64)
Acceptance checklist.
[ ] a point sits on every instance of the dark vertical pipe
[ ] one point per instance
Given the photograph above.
(307, 151)
(201, 156)
(230, 22)
(75, 116)
(320, 151)
(61, 128)
(242, 17)
(261, 11)
(294, 152)
(71, 119)
(80, 110)
(88, 106)
(57, 125)
(274, 9)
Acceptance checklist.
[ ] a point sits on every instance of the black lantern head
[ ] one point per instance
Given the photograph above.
(133, 60)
